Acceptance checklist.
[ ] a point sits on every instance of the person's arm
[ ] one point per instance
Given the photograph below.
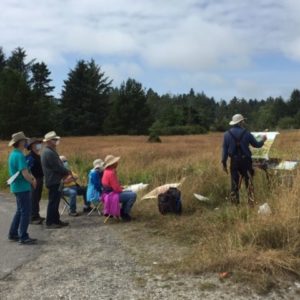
(23, 168)
(55, 164)
(29, 177)
(225, 153)
(114, 182)
(254, 143)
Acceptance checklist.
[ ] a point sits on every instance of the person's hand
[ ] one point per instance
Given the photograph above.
(225, 168)
(264, 137)
(68, 179)
(34, 183)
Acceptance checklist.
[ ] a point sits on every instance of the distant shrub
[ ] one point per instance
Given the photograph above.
(154, 138)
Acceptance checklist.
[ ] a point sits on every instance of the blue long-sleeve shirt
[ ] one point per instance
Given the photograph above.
(94, 188)
(95, 179)
(230, 147)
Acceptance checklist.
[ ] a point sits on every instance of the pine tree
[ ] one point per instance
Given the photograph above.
(40, 83)
(17, 62)
(17, 109)
(85, 99)
(40, 80)
(2, 59)
(129, 112)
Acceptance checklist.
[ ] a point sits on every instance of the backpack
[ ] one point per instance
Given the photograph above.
(170, 202)
(237, 141)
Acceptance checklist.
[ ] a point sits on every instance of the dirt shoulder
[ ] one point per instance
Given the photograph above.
(89, 260)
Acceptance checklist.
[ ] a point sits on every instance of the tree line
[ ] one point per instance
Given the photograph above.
(90, 105)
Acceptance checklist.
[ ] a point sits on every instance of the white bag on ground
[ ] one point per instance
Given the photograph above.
(265, 210)
(201, 198)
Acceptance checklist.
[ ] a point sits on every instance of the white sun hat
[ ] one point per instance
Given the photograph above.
(98, 164)
(51, 136)
(236, 119)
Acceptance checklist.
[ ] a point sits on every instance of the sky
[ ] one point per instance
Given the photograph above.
(224, 48)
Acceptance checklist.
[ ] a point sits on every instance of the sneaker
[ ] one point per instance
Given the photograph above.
(14, 238)
(37, 220)
(126, 218)
(87, 209)
(63, 224)
(53, 226)
(73, 214)
(28, 241)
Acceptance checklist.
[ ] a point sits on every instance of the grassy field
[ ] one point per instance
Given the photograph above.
(255, 249)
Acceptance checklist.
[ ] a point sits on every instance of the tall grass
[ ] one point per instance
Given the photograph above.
(3, 174)
(221, 237)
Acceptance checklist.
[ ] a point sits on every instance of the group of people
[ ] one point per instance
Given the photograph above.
(43, 166)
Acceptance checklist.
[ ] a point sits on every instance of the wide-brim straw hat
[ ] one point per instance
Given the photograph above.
(16, 137)
(32, 141)
(236, 119)
(98, 164)
(51, 136)
(110, 160)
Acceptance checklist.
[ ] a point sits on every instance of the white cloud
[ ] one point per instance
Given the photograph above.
(190, 37)
(181, 34)
(195, 44)
(121, 71)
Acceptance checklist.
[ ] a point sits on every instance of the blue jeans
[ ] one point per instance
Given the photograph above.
(22, 216)
(74, 191)
(71, 192)
(127, 199)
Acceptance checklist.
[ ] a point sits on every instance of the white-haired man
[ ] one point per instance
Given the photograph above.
(54, 172)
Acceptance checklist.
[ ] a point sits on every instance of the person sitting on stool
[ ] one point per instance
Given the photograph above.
(72, 189)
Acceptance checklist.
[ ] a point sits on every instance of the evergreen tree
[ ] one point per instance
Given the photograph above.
(85, 99)
(17, 109)
(40, 83)
(294, 103)
(2, 59)
(129, 112)
(17, 62)
(40, 80)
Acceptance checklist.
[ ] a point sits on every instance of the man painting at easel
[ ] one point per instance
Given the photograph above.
(236, 146)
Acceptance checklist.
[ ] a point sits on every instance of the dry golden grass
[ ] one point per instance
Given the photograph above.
(259, 250)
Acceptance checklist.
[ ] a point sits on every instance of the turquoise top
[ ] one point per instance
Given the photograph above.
(17, 163)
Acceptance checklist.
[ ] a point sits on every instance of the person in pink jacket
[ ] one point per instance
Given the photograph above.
(111, 183)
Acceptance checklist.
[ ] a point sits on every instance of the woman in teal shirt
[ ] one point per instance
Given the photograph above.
(21, 187)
